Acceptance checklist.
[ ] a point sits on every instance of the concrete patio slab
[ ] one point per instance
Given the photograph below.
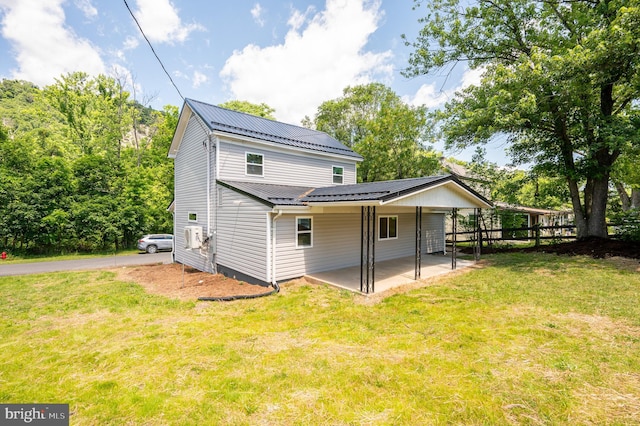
(390, 273)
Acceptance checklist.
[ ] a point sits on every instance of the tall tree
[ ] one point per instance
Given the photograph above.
(389, 134)
(261, 110)
(560, 78)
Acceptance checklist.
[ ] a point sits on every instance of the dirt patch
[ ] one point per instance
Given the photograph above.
(171, 281)
(598, 248)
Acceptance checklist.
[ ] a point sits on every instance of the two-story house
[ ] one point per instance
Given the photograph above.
(264, 201)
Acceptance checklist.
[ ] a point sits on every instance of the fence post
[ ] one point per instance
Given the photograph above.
(537, 230)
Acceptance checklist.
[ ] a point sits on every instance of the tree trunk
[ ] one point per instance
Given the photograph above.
(635, 198)
(597, 210)
(624, 197)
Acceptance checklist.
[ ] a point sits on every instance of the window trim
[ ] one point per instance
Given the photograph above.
(298, 232)
(195, 217)
(246, 163)
(395, 216)
(333, 175)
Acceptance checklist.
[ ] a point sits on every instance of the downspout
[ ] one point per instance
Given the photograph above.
(209, 185)
(209, 233)
(273, 250)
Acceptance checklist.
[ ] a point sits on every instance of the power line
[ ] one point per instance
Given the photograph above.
(153, 50)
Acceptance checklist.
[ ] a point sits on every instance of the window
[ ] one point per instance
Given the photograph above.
(337, 174)
(304, 232)
(388, 229)
(254, 164)
(193, 217)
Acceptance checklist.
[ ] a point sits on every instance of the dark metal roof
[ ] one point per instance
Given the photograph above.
(272, 195)
(381, 191)
(239, 123)
(285, 195)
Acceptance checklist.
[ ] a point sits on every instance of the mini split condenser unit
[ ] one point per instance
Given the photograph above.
(193, 237)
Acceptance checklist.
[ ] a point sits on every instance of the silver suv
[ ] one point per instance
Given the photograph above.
(153, 243)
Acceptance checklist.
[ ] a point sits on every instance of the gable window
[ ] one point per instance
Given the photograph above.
(304, 232)
(338, 172)
(388, 227)
(193, 217)
(254, 164)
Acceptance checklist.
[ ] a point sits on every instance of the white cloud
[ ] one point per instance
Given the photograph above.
(322, 54)
(257, 13)
(199, 79)
(160, 21)
(431, 97)
(130, 43)
(86, 8)
(43, 46)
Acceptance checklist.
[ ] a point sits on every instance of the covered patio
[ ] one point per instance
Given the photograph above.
(391, 273)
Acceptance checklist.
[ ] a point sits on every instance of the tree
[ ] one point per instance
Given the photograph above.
(261, 110)
(560, 79)
(389, 134)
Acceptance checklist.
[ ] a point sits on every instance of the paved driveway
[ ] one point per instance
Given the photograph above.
(83, 264)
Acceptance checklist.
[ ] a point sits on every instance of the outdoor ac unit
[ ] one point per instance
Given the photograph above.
(193, 237)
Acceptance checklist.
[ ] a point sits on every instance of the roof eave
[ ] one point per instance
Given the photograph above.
(243, 138)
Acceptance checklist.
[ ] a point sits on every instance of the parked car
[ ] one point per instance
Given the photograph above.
(153, 243)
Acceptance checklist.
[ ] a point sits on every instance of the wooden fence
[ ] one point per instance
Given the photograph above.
(535, 233)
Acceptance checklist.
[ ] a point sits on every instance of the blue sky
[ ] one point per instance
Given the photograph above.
(292, 55)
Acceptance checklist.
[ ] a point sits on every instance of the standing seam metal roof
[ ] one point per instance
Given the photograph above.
(239, 123)
(302, 195)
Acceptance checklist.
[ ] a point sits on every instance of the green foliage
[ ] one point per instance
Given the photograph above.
(519, 187)
(72, 176)
(627, 224)
(261, 110)
(389, 134)
(560, 80)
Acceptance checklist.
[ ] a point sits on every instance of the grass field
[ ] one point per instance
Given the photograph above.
(529, 339)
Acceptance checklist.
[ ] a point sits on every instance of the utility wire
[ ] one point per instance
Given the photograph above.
(153, 50)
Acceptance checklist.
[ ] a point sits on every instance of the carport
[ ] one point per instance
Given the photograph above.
(433, 194)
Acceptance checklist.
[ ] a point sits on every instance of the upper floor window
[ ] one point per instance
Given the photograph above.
(388, 227)
(254, 164)
(192, 216)
(338, 173)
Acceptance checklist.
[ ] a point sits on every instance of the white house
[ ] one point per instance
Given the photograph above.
(265, 201)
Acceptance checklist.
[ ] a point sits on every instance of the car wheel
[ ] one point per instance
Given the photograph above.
(152, 249)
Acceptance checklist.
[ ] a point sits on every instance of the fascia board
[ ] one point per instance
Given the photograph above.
(429, 188)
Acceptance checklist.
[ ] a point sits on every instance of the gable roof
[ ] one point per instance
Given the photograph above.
(383, 192)
(219, 119)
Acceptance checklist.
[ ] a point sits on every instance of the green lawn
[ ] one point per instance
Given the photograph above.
(530, 339)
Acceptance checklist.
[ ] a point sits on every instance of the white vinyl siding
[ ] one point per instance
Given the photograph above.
(281, 167)
(242, 234)
(337, 239)
(191, 194)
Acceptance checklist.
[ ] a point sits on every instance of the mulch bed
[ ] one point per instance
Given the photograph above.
(187, 284)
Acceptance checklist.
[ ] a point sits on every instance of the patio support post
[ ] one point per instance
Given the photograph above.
(367, 248)
(418, 265)
(372, 258)
(478, 247)
(454, 217)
